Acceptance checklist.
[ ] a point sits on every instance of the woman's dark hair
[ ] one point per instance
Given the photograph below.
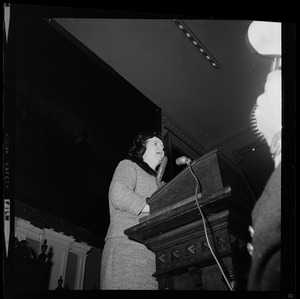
(138, 147)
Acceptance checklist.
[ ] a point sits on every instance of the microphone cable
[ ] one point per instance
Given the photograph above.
(204, 225)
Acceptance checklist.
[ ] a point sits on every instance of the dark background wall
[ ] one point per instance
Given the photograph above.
(75, 118)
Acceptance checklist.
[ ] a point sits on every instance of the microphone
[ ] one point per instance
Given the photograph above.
(161, 169)
(183, 160)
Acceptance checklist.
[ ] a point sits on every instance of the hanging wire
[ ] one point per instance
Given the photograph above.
(204, 225)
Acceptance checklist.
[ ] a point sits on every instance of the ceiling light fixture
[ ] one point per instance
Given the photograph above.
(196, 42)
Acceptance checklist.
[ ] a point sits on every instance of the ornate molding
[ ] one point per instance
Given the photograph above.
(45, 220)
(169, 125)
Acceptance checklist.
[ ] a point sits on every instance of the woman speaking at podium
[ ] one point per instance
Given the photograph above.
(127, 264)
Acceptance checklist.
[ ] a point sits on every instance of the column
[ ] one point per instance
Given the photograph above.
(80, 249)
(58, 248)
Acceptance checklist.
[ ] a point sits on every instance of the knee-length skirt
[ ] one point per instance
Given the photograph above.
(127, 264)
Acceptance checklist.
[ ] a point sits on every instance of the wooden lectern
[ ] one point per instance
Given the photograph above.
(174, 229)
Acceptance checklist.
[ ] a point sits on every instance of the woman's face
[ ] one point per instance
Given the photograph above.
(154, 150)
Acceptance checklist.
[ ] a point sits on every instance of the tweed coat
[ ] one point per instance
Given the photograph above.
(127, 264)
